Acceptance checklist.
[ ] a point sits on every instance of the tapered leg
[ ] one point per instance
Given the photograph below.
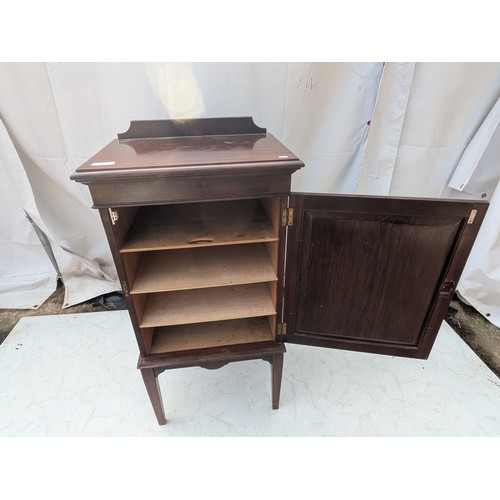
(153, 388)
(277, 371)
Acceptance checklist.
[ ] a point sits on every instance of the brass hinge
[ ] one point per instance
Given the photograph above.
(281, 330)
(125, 288)
(472, 216)
(287, 217)
(114, 215)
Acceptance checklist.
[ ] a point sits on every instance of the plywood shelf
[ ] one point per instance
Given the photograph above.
(212, 334)
(207, 304)
(193, 268)
(199, 225)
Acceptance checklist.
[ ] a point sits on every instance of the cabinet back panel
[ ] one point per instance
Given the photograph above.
(199, 224)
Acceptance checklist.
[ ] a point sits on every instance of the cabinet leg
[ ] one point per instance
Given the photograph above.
(153, 388)
(277, 371)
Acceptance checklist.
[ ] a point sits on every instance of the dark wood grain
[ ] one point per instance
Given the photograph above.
(360, 273)
(366, 273)
(153, 388)
(122, 275)
(152, 366)
(204, 155)
(200, 357)
(186, 189)
(276, 375)
(192, 127)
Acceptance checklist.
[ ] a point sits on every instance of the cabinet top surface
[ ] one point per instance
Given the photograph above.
(232, 153)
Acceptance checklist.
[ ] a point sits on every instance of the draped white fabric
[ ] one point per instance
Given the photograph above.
(27, 275)
(441, 139)
(424, 129)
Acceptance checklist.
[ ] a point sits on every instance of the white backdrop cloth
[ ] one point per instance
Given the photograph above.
(424, 129)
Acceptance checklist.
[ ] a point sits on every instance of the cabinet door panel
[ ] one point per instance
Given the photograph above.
(374, 274)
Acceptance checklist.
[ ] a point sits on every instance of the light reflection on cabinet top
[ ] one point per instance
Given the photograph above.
(208, 154)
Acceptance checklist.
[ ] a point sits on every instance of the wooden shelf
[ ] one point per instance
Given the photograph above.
(197, 225)
(192, 268)
(212, 304)
(213, 334)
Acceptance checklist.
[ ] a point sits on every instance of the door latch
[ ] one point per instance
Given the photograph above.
(447, 289)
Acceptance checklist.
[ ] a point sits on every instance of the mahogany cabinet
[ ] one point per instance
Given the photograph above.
(219, 262)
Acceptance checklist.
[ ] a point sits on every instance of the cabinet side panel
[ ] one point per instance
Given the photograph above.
(108, 228)
(131, 263)
(273, 209)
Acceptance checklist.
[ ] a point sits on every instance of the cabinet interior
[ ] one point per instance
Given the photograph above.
(202, 274)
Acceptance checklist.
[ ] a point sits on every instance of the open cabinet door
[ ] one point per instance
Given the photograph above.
(374, 274)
